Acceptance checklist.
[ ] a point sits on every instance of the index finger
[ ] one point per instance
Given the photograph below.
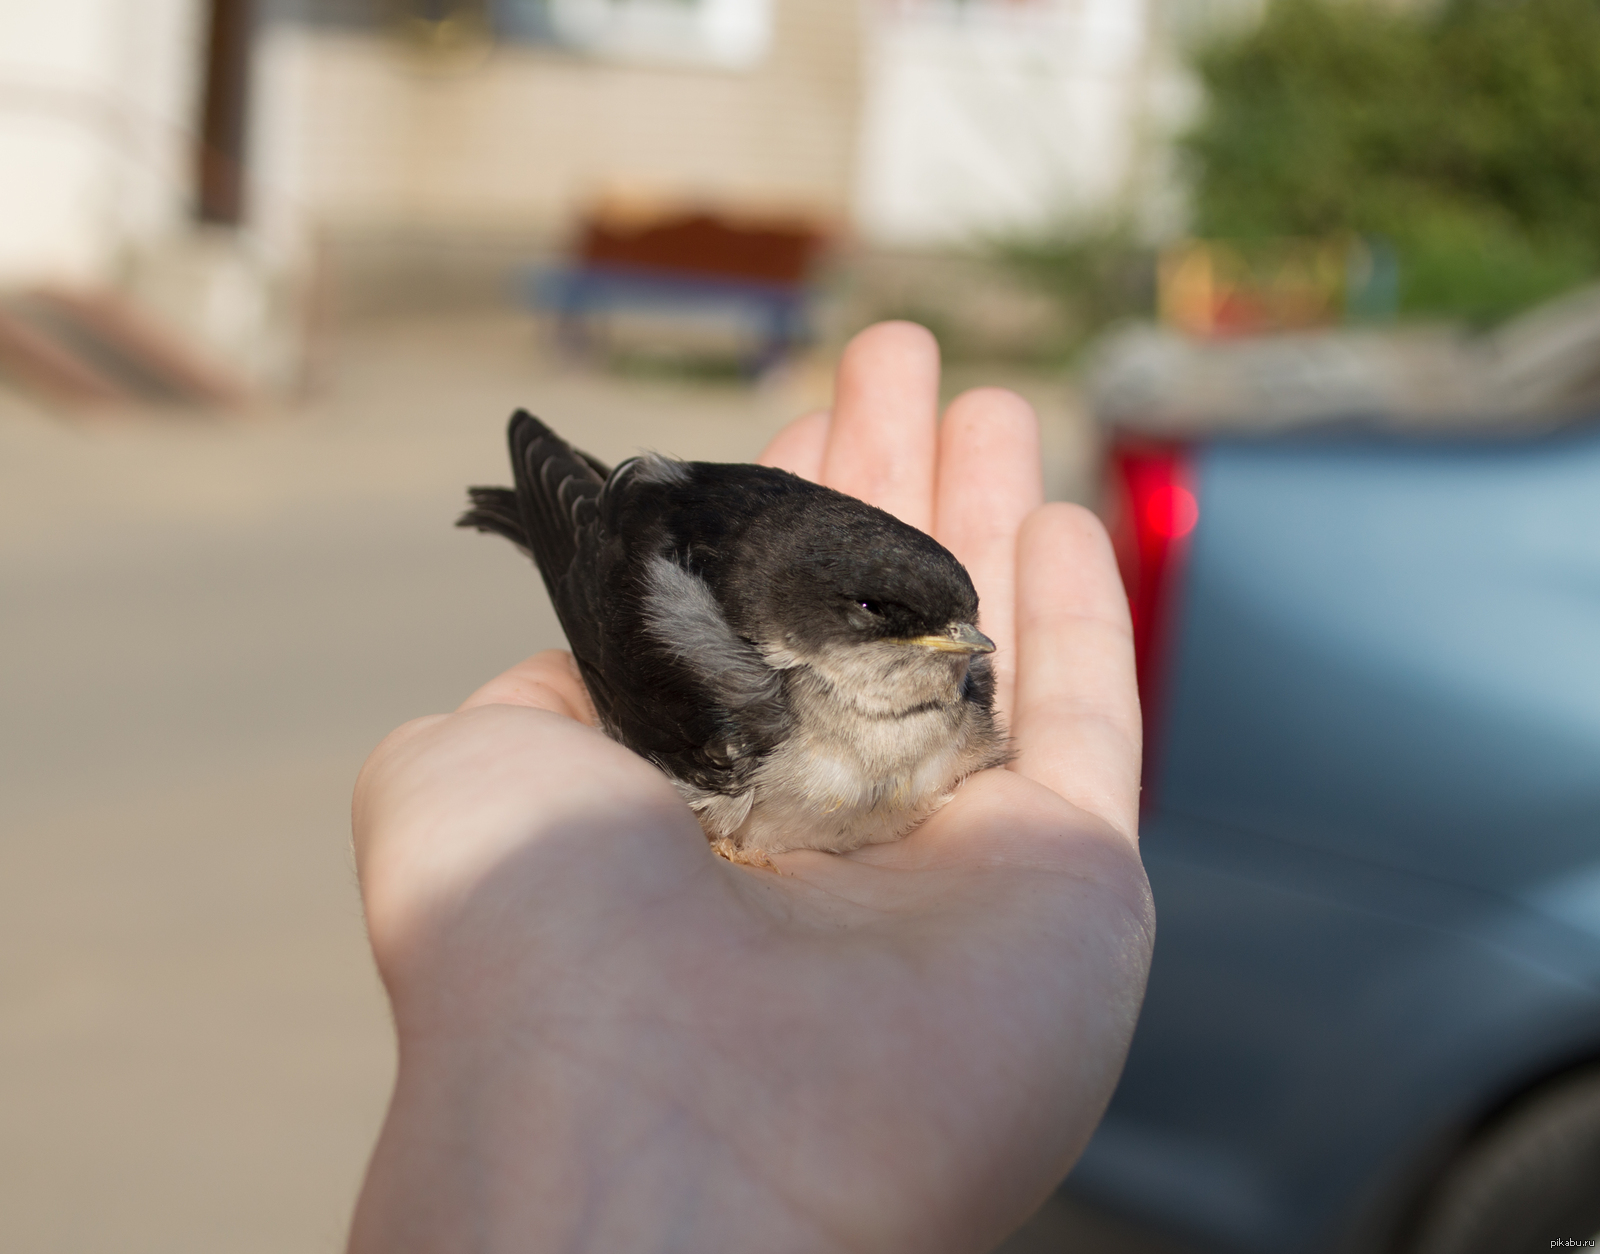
(800, 447)
(545, 681)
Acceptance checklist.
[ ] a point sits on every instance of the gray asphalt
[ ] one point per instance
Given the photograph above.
(207, 623)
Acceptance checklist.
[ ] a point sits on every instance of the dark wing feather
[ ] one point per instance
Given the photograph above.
(685, 689)
(592, 534)
(557, 488)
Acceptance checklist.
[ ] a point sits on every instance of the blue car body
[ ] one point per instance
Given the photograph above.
(1372, 828)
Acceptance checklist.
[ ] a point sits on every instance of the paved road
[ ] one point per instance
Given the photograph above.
(207, 624)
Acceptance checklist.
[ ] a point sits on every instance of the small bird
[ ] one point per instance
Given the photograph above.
(805, 668)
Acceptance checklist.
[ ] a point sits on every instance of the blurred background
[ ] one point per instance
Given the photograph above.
(274, 272)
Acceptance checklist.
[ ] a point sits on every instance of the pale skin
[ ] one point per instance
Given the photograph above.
(613, 1041)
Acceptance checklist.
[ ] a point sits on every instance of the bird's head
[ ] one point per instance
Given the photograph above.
(878, 607)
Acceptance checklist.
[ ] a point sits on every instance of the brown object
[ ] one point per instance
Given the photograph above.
(700, 245)
(116, 328)
(222, 120)
(38, 362)
(93, 348)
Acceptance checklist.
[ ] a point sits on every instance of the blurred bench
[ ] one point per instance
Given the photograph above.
(689, 261)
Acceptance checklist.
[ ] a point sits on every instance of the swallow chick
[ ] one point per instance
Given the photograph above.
(806, 669)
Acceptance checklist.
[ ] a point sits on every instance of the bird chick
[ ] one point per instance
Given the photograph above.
(806, 669)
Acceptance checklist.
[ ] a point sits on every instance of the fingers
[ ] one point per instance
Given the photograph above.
(989, 480)
(799, 448)
(1076, 724)
(545, 681)
(885, 413)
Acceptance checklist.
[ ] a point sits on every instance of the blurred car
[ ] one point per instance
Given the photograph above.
(1369, 648)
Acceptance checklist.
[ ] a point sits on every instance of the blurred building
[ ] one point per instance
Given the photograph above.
(397, 126)
(97, 117)
(210, 155)
(122, 164)
(997, 119)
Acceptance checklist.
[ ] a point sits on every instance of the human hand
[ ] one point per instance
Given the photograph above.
(612, 1040)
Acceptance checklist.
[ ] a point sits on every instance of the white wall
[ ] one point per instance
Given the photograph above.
(991, 119)
(98, 102)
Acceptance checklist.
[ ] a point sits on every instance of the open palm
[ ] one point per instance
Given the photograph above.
(612, 1040)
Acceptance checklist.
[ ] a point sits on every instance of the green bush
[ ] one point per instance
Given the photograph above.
(1469, 136)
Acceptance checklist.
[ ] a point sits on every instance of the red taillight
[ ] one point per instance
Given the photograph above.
(1154, 507)
(1170, 511)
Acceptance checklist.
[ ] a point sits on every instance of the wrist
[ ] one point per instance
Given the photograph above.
(525, 1131)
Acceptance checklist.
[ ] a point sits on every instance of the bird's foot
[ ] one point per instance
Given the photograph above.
(725, 848)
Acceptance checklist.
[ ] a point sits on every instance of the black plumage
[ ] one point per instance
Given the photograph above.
(764, 640)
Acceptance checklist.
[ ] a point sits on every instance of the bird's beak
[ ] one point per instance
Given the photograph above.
(962, 638)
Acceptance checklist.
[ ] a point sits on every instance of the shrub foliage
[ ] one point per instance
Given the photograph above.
(1468, 135)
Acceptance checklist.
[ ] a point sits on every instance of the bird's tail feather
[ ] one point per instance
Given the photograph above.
(496, 510)
(557, 492)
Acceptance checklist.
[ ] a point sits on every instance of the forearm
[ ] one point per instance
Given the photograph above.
(542, 1102)
(487, 1148)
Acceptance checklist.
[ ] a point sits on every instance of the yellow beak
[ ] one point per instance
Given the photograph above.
(962, 638)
